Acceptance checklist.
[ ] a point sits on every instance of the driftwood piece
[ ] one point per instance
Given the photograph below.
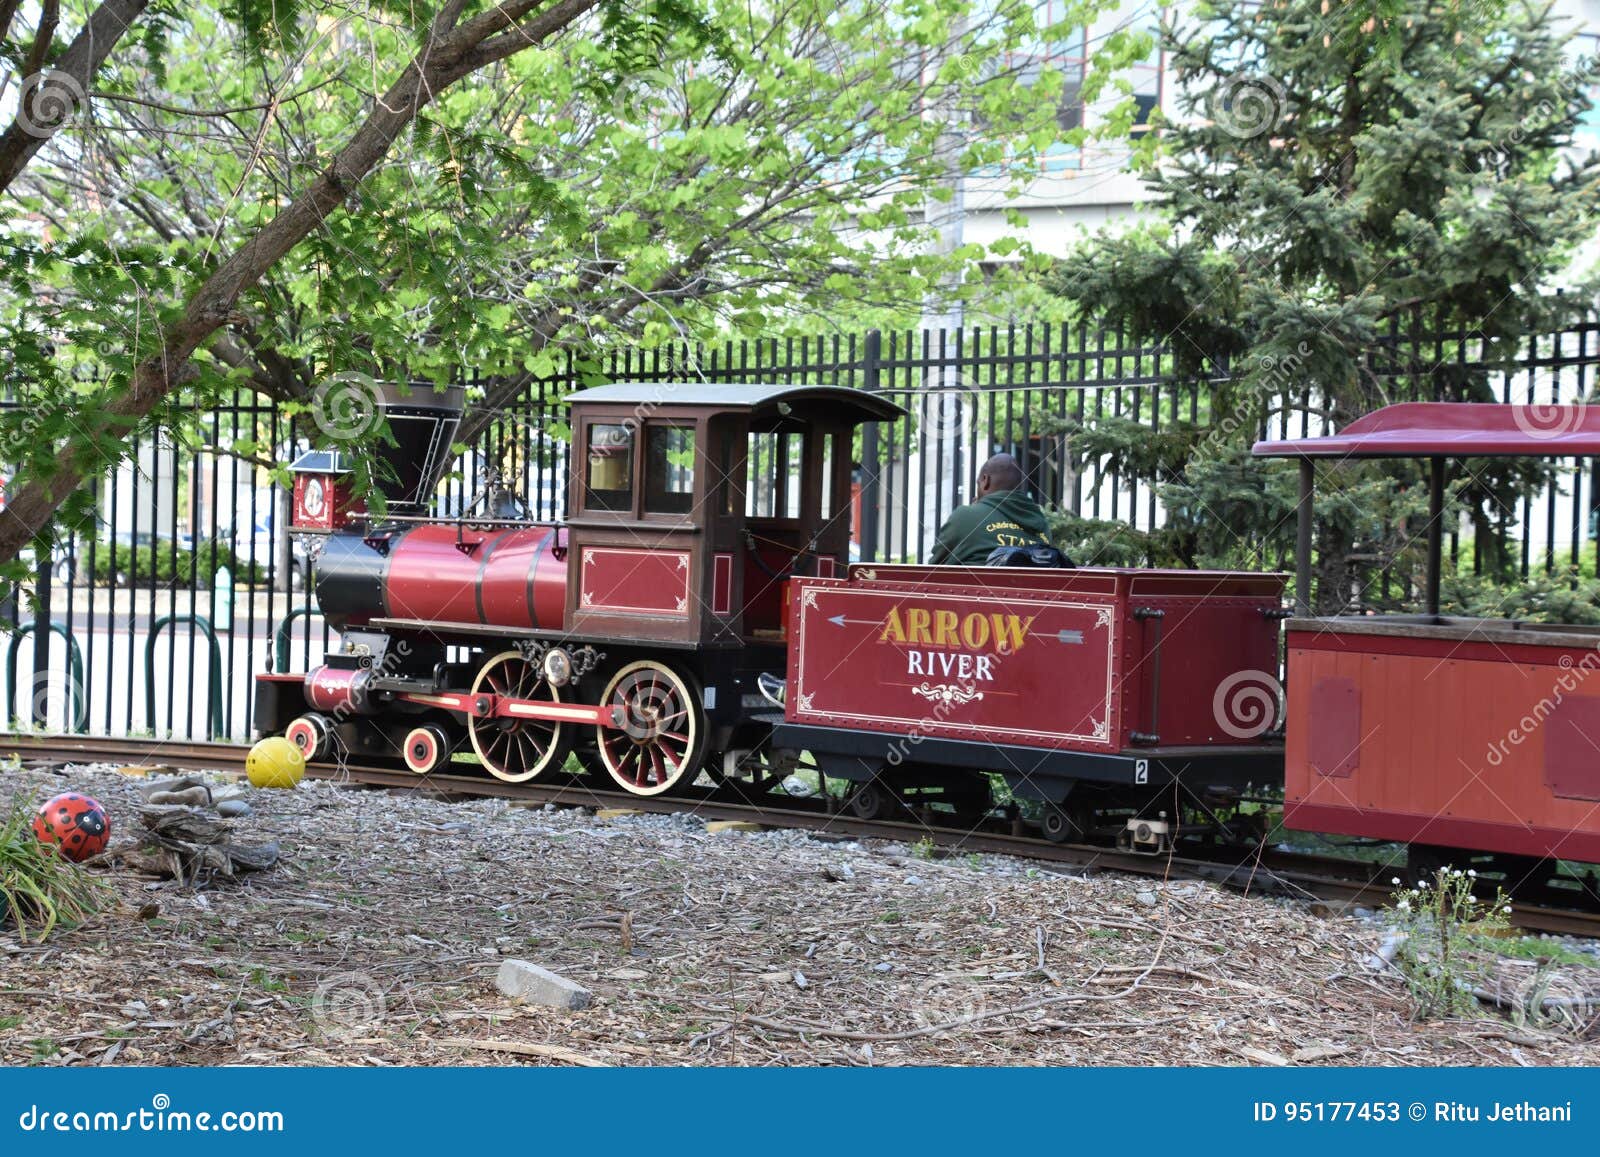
(189, 844)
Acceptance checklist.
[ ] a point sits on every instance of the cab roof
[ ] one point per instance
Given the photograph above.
(740, 396)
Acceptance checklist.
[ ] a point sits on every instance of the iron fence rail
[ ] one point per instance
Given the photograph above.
(138, 600)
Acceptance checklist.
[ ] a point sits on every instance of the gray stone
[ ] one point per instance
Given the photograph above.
(233, 808)
(528, 982)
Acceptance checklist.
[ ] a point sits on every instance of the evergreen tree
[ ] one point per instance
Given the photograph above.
(1340, 174)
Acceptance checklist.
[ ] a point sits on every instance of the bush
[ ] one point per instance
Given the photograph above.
(1562, 597)
(38, 888)
(133, 566)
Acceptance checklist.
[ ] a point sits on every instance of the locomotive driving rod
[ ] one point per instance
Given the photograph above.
(489, 706)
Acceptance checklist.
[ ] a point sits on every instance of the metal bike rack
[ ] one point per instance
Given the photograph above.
(78, 719)
(214, 716)
(280, 637)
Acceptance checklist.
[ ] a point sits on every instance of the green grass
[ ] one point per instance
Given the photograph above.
(9, 1022)
(1536, 948)
(39, 889)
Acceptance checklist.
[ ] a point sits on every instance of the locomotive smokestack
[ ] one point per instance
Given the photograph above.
(422, 422)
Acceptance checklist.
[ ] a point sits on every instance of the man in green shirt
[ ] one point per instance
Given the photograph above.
(1003, 515)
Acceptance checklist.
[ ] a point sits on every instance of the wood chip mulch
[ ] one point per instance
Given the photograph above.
(376, 938)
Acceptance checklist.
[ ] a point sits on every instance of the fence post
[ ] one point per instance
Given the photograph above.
(871, 354)
(214, 713)
(41, 639)
(77, 694)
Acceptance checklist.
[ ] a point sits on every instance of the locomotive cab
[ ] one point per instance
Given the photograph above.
(692, 505)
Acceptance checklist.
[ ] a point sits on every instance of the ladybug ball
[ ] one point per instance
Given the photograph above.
(76, 824)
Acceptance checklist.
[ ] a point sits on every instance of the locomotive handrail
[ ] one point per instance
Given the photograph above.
(808, 550)
(280, 637)
(214, 713)
(440, 520)
(78, 719)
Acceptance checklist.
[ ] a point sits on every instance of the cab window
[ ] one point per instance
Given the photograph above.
(668, 469)
(608, 477)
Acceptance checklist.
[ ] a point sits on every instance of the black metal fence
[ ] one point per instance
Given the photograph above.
(190, 584)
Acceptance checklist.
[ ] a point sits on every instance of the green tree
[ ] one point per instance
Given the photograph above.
(715, 169)
(1339, 173)
(149, 311)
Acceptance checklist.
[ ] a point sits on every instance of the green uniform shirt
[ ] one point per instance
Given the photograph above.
(999, 518)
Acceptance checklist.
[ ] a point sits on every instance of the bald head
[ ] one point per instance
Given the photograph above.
(999, 473)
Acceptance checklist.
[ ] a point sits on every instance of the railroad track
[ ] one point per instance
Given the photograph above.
(1326, 880)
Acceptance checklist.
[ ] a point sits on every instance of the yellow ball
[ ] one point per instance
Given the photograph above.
(274, 762)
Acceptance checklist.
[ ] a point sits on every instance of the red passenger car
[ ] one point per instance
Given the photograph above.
(1442, 732)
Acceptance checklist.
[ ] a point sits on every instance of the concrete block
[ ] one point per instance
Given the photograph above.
(732, 826)
(527, 982)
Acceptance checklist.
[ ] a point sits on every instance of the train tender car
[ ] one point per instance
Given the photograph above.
(631, 636)
(1092, 690)
(1441, 732)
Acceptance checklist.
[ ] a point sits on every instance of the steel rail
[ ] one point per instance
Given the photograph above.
(1259, 872)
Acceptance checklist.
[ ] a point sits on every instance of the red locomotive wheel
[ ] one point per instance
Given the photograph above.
(663, 734)
(310, 733)
(516, 750)
(427, 748)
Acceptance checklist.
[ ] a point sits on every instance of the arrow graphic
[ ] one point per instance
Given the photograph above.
(1058, 636)
(840, 620)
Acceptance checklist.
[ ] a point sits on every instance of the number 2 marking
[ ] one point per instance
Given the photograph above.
(1141, 771)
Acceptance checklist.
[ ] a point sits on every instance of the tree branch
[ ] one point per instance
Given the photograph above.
(438, 64)
(38, 117)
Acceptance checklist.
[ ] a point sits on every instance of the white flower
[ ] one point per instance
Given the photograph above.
(1395, 881)
(1472, 873)
(1404, 905)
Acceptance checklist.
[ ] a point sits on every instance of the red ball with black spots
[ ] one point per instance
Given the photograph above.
(75, 824)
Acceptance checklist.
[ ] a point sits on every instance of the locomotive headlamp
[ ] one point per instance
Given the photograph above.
(558, 667)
